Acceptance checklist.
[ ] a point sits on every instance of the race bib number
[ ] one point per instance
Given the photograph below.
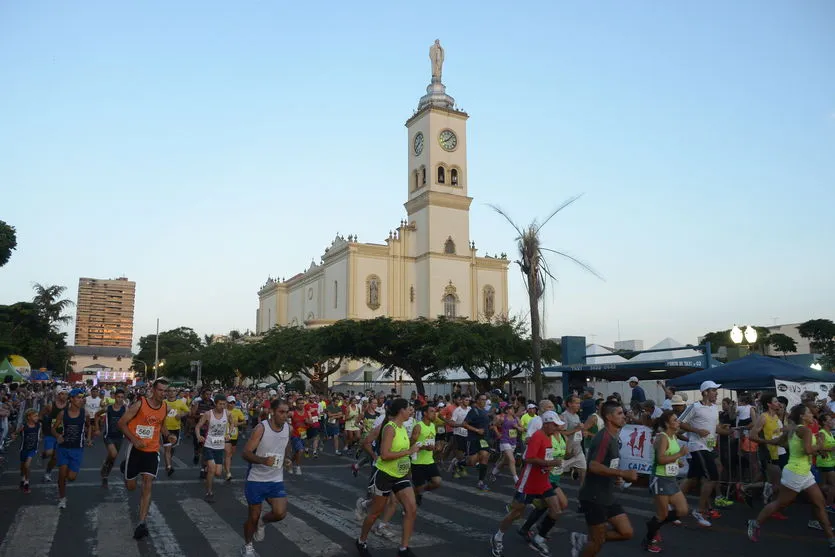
(671, 469)
(233, 432)
(172, 413)
(216, 439)
(578, 436)
(512, 433)
(303, 434)
(615, 463)
(278, 459)
(403, 466)
(549, 454)
(710, 441)
(145, 431)
(332, 421)
(483, 444)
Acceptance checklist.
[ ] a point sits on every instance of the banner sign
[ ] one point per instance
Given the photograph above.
(793, 391)
(636, 449)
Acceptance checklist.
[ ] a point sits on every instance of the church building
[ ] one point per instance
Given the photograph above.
(427, 267)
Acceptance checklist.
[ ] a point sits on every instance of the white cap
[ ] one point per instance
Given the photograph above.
(441, 405)
(550, 417)
(531, 406)
(272, 392)
(708, 385)
(633, 379)
(230, 398)
(63, 389)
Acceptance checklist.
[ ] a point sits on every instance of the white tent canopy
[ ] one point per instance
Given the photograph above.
(597, 354)
(673, 350)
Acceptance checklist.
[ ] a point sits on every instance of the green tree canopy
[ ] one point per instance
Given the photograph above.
(783, 343)
(8, 242)
(821, 333)
(24, 330)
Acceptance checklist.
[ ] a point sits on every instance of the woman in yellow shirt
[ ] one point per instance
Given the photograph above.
(237, 420)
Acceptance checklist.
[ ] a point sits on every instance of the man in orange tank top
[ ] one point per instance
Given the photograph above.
(142, 424)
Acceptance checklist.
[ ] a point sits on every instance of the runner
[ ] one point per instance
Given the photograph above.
(663, 483)
(333, 413)
(477, 424)
(200, 406)
(30, 437)
(312, 408)
(51, 411)
(460, 435)
(92, 405)
(425, 473)
(299, 424)
(111, 433)
(767, 430)
(68, 430)
(265, 451)
(142, 424)
(534, 484)
(237, 420)
(797, 477)
(218, 423)
(352, 426)
(597, 499)
(507, 428)
(391, 477)
(176, 410)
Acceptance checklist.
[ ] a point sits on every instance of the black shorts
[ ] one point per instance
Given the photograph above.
(781, 461)
(597, 514)
(115, 441)
(475, 446)
(140, 462)
(529, 498)
(382, 484)
(460, 443)
(175, 433)
(423, 473)
(442, 436)
(232, 442)
(703, 466)
(313, 432)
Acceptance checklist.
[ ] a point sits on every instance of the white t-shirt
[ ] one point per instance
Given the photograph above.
(657, 413)
(92, 405)
(699, 416)
(458, 416)
(533, 426)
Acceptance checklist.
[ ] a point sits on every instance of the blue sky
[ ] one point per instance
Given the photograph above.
(198, 147)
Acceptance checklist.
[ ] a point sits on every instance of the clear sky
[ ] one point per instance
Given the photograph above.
(199, 147)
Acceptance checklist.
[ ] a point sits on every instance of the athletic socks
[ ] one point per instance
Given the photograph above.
(482, 472)
(547, 524)
(533, 518)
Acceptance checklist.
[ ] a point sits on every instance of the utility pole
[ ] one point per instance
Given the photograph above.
(156, 351)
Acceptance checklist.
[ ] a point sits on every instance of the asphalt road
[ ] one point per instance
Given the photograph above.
(456, 520)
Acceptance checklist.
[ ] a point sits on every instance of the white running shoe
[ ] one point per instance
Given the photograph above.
(496, 547)
(47, 477)
(297, 470)
(578, 542)
(260, 530)
(360, 509)
(62, 503)
(703, 522)
(248, 550)
(537, 543)
(384, 531)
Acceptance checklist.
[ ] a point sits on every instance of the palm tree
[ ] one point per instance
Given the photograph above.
(536, 271)
(51, 307)
(208, 339)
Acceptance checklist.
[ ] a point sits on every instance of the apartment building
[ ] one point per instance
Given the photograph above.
(104, 312)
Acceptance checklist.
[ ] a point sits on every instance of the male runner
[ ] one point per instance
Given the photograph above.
(111, 433)
(92, 405)
(200, 406)
(597, 499)
(425, 473)
(49, 412)
(218, 423)
(176, 410)
(265, 451)
(459, 434)
(477, 424)
(142, 424)
(68, 430)
(237, 420)
(313, 432)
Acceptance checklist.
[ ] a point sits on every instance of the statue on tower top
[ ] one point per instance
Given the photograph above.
(436, 56)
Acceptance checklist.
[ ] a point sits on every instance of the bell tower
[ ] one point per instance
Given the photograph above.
(438, 204)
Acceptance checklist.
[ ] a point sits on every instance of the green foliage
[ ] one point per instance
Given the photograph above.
(49, 303)
(176, 348)
(821, 333)
(783, 343)
(24, 330)
(719, 339)
(8, 242)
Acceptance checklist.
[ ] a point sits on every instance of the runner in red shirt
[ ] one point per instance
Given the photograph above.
(312, 409)
(534, 484)
(299, 424)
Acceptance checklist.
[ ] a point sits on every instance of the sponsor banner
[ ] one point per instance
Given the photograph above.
(636, 448)
(793, 390)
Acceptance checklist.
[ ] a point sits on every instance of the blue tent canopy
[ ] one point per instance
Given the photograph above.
(753, 372)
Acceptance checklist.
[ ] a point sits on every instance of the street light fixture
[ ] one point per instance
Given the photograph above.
(816, 366)
(749, 335)
(156, 368)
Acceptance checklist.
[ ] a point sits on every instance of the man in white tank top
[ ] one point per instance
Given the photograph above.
(219, 425)
(266, 453)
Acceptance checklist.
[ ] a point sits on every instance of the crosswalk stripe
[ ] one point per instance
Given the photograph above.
(32, 532)
(113, 532)
(164, 540)
(220, 536)
(308, 540)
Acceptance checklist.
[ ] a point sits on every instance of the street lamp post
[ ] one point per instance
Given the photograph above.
(745, 337)
(144, 369)
(156, 368)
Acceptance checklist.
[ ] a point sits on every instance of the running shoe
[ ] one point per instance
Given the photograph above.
(578, 542)
(140, 532)
(419, 499)
(492, 479)
(496, 547)
(228, 477)
(210, 498)
(297, 470)
(650, 546)
(315, 454)
(779, 516)
(355, 470)
(657, 538)
(451, 467)
(753, 531)
(47, 477)
(360, 509)
(26, 488)
(537, 543)
(362, 547)
(463, 472)
(260, 530)
(384, 531)
(832, 543)
(723, 502)
(337, 453)
(170, 471)
(248, 550)
(768, 491)
(405, 553)
(62, 503)
(830, 509)
(703, 522)
(482, 486)
(456, 475)
(713, 514)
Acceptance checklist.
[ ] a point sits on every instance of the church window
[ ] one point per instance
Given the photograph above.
(372, 291)
(449, 305)
(441, 174)
(412, 294)
(453, 177)
(335, 294)
(489, 301)
(449, 246)
(417, 184)
(423, 175)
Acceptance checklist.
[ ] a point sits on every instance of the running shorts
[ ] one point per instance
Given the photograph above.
(423, 473)
(475, 446)
(529, 498)
(382, 484)
(577, 461)
(216, 455)
(233, 442)
(50, 443)
(460, 442)
(781, 461)
(507, 447)
(257, 492)
(115, 441)
(703, 466)
(597, 514)
(297, 444)
(332, 430)
(71, 458)
(28, 454)
(140, 462)
(661, 485)
(175, 433)
(313, 432)
(796, 482)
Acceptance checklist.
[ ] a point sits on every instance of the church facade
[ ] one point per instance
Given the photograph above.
(427, 267)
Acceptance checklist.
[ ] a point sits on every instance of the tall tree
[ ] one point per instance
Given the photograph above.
(782, 343)
(821, 334)
(182, 341)
(536, 271)
(50, 305)
(25, 330)
(8, 242)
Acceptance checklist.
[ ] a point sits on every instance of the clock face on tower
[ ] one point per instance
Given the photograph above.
(448, 140)
(418, 145)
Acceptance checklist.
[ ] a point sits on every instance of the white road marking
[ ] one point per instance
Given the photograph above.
(32, 532)
(307, 539)
(114, 534)
(180, 464)
(165, 543)
(220, 536)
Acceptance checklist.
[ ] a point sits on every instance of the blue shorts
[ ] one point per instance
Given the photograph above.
(49, 443)
(257, 492)
(297, 443)
(213, 454)
(71, 458)
(332, 430)
(24, 455)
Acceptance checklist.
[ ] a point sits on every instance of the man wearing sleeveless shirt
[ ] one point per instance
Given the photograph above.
(68, 430)
(142, 424)
(48, 414)
(265, 451)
